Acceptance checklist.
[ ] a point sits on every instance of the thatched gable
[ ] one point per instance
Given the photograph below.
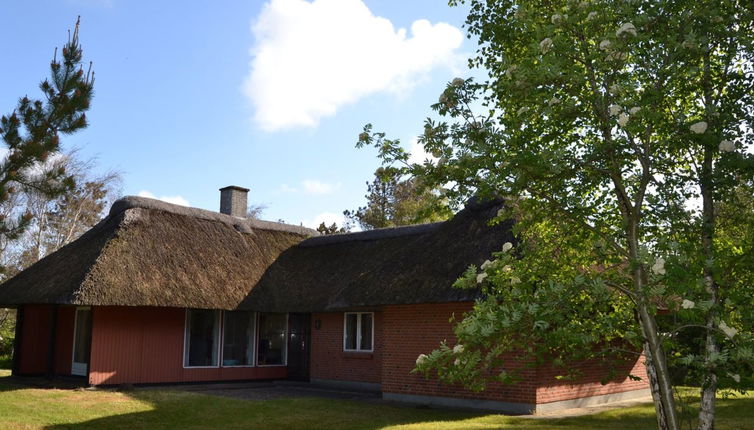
(151, 253)
(416, 264)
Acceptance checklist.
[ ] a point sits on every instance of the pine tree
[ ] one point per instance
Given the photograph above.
(324, 230)
(32, 132)
(394, 201)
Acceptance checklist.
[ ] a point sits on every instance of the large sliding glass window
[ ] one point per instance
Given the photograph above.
(239, 328)
(273, 342)
(202, 338)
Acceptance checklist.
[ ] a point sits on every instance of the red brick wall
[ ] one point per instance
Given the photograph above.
(145, 345)
(552, 390)
(329, 361)
(411, 330)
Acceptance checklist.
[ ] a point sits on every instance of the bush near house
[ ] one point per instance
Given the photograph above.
(7, 332)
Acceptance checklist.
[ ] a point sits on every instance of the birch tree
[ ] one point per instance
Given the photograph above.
(615, 130)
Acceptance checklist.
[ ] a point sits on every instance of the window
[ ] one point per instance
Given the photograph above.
(239, 329)
(272, 345)
(358, 331)
(202, 338)
(243, 334)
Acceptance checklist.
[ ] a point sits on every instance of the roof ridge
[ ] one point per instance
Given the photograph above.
(378, 233)
(243, 225)
(474, 204)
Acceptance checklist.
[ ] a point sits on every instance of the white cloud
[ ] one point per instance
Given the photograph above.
(417, 154)
(38, 169)
(176, 200)
(313, 186)
(327, 217)
(311, 58)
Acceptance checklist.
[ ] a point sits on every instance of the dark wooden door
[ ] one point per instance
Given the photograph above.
(299, 337)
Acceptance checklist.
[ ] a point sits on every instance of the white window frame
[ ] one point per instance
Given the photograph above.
(78, 370)
(358, 331)
(256, 346)
(218, 332)
(253, 340)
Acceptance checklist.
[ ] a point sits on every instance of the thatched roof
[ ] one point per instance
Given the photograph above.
(151, 253)
(416, 264)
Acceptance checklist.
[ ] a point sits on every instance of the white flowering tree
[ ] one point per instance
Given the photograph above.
(616, 131)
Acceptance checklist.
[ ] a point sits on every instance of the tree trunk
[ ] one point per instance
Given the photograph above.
(665, 408)
(654, 387)
(709, 389)
(712, 347)
(667, 414)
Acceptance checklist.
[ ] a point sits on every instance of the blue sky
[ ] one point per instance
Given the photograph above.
(270, 95)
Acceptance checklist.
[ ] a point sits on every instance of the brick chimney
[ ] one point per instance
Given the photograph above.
(233, 201)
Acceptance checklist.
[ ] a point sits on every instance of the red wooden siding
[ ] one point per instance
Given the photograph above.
(145, 345)
(329, 361)
(64, 340)
(35, 339)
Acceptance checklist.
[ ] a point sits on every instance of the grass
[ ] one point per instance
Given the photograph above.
(22, 407)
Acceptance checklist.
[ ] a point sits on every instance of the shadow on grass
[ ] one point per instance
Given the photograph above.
(162, 409)
(182, 410)
(10, 383)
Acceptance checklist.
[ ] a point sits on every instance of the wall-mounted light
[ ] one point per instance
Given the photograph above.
(317, 324)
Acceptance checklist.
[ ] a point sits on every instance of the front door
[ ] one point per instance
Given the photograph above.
(298, 346)
(82, 336)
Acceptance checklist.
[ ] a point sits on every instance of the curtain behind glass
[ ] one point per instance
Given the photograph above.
(201, 337)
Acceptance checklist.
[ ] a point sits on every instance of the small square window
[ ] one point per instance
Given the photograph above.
(358, 331)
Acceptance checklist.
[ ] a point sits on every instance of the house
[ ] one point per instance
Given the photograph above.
(159, 293)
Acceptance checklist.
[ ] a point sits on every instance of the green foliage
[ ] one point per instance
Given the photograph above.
(624, 129)
(56, 220)
(549, 300)
(7, 332)
(332, 229)
(733, 262)
(32, 133)
(394, 201)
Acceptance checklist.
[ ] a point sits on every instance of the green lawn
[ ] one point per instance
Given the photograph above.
(22, 407)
